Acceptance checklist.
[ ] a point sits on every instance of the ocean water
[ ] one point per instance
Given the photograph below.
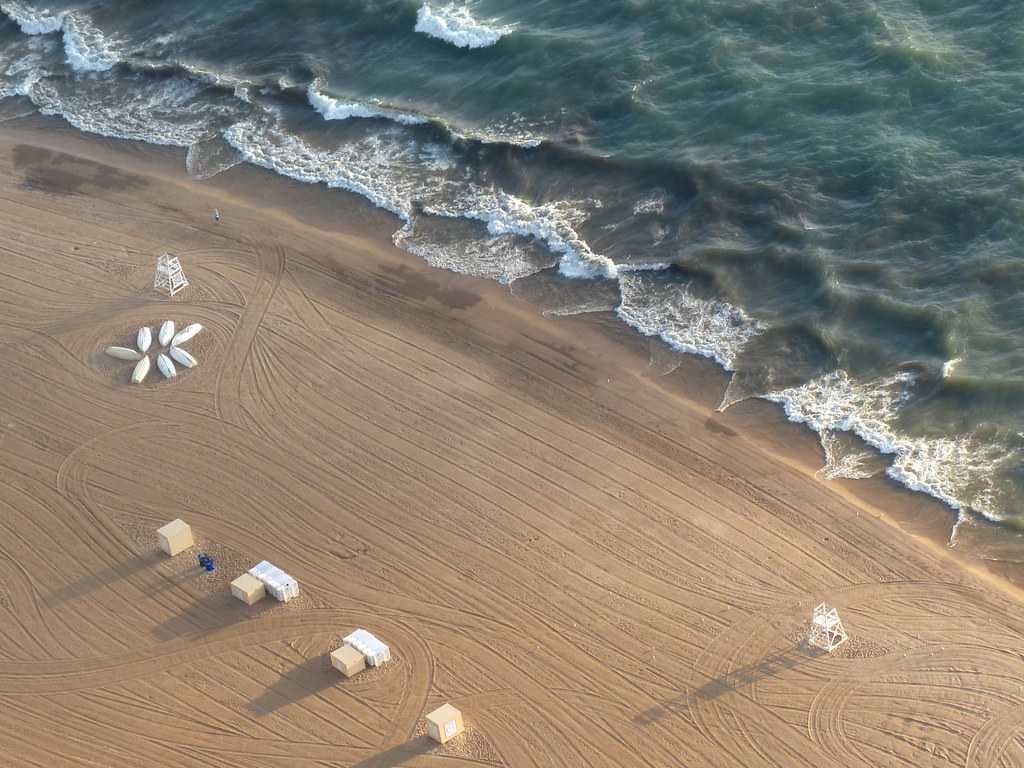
(824, 196)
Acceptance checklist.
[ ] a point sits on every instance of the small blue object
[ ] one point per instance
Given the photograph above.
(208, 564)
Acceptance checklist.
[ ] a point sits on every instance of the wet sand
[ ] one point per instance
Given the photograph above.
(577, 551)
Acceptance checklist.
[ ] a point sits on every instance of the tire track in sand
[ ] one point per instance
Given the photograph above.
(229, 379)
(991, 740)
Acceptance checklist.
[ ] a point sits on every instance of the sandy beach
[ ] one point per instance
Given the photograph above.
(581, 555)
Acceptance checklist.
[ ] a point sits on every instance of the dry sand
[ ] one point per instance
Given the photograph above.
(596, 569)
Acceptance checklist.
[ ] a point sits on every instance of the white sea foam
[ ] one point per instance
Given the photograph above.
(949, 366)
(552, 223)
(31, 20)
(503, 258)
(334, 109)
(392, 170)
(654, 205)
(956, 470)
(455, 24)
(155, 112)
(86, 48)
(709, 328)
(22, 65)
(380, 167)
(514, 129)
(436, 157)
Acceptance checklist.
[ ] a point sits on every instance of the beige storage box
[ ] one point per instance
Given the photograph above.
(444, 723)
(248, 589)
(348, 660)
(175, 537)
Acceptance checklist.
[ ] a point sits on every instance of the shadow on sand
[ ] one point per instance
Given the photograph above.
(210, 612)
(769, 666)
(306, 679)
(108, 576)
(395, 756)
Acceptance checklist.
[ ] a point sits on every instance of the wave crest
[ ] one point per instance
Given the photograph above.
(455, 25)
(706, 327)
(86, 48)
(956, 470)
(333, 109)
(32, 21)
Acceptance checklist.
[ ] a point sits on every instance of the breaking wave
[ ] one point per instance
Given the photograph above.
(455, 24)
(709, 328)
(87, 49)
(957, 471)
(31, 21)
(333, 109)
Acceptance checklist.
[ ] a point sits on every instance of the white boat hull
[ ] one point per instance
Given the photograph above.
(166, 333)
(141, 371)
(124, 353)
(144, 339)
(185, 334)
(183, 358)
(163, 362)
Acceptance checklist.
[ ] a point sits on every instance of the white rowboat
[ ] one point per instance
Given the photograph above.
(141, 370)
(166, 333)
(163, 362)
(144, 339)
(183, 358)
(184, 335)
(124, 353)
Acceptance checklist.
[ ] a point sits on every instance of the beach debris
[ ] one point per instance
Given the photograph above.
(124, 353)
(216, 215)
(278, 583)
(366, 643)
(182, 357)
(166, 332)
(175, 537)
(170, 278)
(140, 371)
(163, 362)
(185, 334)
(206, 562)
(248, 589)
(143, 339)
(444, 723)
(827, 631)
(348, 660)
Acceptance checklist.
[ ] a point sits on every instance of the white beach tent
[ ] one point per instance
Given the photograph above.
(375, 652)
(278, 583)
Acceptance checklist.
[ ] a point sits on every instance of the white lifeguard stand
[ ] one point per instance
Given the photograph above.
(827, 631)
(169, 276)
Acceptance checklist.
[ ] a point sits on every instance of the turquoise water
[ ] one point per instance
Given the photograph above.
(825, 197)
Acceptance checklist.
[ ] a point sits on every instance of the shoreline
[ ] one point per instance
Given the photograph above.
(912, 512)
(580, 553)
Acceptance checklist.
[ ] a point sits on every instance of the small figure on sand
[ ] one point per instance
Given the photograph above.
(216, 215)
(205, 561)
